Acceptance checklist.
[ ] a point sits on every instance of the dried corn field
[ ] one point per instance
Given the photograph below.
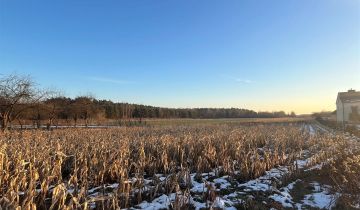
(217, 166)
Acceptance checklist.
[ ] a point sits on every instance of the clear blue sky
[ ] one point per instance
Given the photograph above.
(259, 54)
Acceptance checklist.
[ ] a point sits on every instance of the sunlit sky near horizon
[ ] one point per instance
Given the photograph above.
(262, 55)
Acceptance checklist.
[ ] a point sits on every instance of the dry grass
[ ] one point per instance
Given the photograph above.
(55, 170)
(344, 173)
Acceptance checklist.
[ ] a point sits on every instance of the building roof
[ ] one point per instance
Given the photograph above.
(349, 96)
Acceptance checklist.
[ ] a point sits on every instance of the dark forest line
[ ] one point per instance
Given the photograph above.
(21, 102)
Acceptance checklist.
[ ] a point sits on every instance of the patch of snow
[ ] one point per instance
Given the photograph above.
(302, 163)
(224, 184)
(284, 199)
(311, 130)
(321, 198)
(284, 196)
(264, 183)
(222, 204)
(198, 187)
(162, 202)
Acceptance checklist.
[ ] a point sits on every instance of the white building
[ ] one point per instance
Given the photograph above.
(346, 104)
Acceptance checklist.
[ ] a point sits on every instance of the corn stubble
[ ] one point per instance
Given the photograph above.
(56, 170)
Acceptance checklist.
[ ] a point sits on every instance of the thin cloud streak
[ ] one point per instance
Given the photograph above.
(108, 80)
(239, 80)
(244, 81)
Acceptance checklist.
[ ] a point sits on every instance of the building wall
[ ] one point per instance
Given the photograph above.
(339, 111)
(348, 110)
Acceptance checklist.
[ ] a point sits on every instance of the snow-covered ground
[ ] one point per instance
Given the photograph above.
(237, 193)
(230, 193)
(209, 190)
(319, 198)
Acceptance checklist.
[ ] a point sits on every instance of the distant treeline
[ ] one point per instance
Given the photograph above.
(111, 110)
(86, 108)
(20, 101)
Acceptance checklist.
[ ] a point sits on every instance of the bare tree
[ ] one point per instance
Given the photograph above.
(86, 108)
(17, 94)
(53, 107)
